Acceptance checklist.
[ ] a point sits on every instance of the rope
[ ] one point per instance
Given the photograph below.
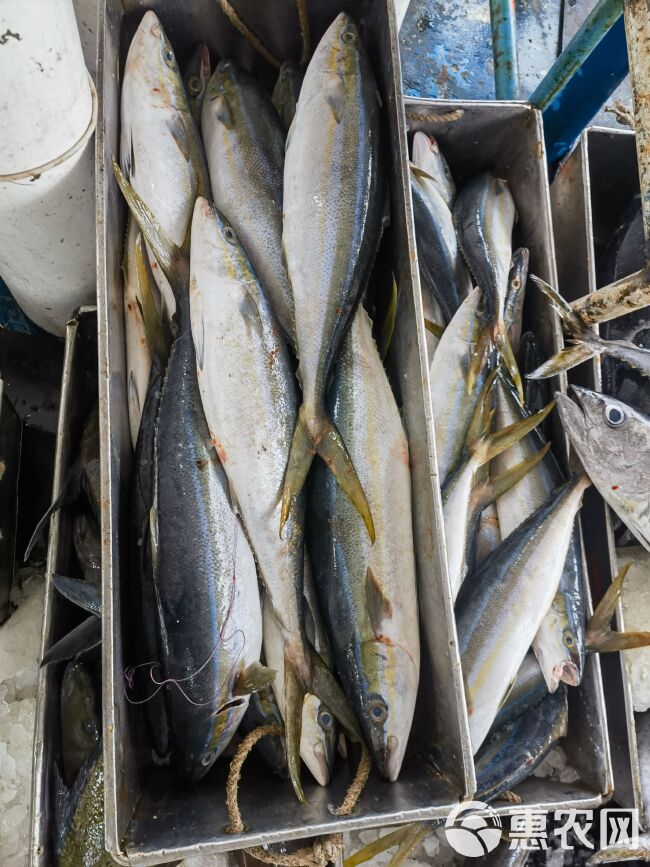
(324, 849)
(239, 25)
(304, 31)
(446, 117)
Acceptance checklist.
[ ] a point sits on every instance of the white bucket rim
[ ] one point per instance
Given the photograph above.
(71, 151)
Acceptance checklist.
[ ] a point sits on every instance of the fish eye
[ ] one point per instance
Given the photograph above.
(569, 640)
(378, 711)
(194, 84)
(349, 37)
(614, 416)
(325, 719)
(229, 235)
(516, 283)
(207, 758)
(168, 56)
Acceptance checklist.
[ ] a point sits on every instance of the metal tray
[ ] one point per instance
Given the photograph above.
(589, 193)
(507, 138)
(78, 393)
(150, 817)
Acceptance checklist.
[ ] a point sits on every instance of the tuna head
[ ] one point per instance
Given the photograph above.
(391, 677)
(613, 442)
(152, 58)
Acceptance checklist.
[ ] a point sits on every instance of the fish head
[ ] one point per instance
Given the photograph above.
(388, 699)
(317, 738)
(558, 646)
(194, 765)
(612, 440)
(198, 72)
(339, 48)
(152, 55)
(80, 719)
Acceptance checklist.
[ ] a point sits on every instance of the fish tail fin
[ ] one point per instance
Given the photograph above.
(169, 256)
(506, 352)
(325, 440)
(601, 638)
(71, 489)
(326, 687)
(497, 486)
(294, 696)
(565, 359)
(406, 837)
(155, 332)
(572, 321)
(491, 445)
(479, 358)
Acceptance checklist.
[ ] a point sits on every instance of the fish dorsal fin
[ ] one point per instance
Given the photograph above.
(379, 608)
(335, 96)
(253, 678)
(222, 112)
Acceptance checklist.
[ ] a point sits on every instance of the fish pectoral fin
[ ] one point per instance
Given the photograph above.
(382, 844)
(221, 110)
(169, 256)
(488, 447)
(335, 96)
(158, 340)
(326, 687)
(497, 486)
(378, 606)
(600, 637)
(565, 359)
(253, 678)
(294, 696)
(72, 487)
(179, 134)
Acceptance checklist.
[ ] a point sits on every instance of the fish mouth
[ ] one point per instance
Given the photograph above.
(566, 672)
(318, 764)
(572, 412)
(389, 761)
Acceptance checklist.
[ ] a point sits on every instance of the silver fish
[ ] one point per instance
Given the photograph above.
(244, 143)
(502, 605)
(367, 592)
(613, 443)
(427, 156)
(484, 216)
(442, 269)
(250, 401)
(333, 209)
(559, 643)
(488, 535)
(513, 308)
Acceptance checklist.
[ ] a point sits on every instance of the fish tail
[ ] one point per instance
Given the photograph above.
(71, 489)
(173, 262)
(601, 638)
(491, 445)
(322, 438)
(572, 321)
(407, 837)
(506, 352)
(565, 359)
(155, 332)
(294, 695)
(480, 355)
(497, 486)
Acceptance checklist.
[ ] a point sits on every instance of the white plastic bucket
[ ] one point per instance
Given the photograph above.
(47, 232)
(46, 103)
